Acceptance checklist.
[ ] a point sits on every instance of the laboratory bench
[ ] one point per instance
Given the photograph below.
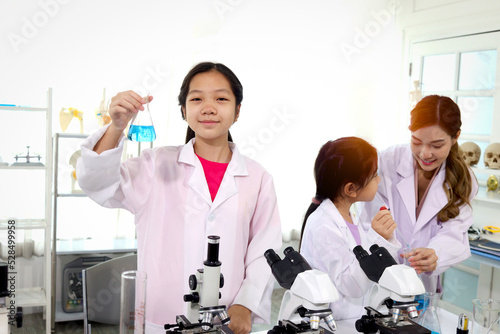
(71, 250)
(448, 322)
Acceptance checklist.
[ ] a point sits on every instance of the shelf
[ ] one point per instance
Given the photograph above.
(488, 171)
(487, 196)
(19, 108)
(34, 296)
(30, 297)
(71, 135)
(90, 246)
(22, 167)
(24, 224)
(72, 195)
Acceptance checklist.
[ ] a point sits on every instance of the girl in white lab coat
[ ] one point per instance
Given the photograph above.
(428, 189)
(180, 195)
(345, 173)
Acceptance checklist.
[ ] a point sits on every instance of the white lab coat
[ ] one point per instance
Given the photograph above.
(327, 245)
(166, 189)
(397, 190)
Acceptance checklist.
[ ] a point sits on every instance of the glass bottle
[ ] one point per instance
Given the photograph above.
(141, 128)
(429, 318)
(133, 302)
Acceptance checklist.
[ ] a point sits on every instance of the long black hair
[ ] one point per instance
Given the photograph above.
(235, 84)
(345, 160)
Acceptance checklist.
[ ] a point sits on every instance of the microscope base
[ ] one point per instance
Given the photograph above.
(184, 326)
(288, 327)
(369, 324)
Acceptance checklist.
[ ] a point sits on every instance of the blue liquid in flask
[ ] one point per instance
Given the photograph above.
(141, 133)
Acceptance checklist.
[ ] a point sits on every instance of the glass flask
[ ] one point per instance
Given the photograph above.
(429, 317)
(486, 316)
(133, 302)
(141, 128)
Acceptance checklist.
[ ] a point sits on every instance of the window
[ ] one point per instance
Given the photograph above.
(467, 70)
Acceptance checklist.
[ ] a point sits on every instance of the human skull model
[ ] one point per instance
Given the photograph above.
(470, 153)
(492, 156)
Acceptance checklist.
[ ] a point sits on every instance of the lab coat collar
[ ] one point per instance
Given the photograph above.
(406, 187)
(197, 181)
(436, 197)
(337, 219)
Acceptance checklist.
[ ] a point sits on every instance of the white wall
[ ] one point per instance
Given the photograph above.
(311, 70)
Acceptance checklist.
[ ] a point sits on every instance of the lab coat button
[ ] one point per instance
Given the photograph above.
(211, 217)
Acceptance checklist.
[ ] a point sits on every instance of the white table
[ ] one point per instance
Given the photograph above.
(447, 320)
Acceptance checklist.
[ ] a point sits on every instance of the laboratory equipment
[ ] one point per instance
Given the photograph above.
(67, 115)
(429, 317)
(133, 302)
(492, 156)
(141, 128)
(463, 324)
(28, 158)
(204, 297)
(486, 316)
(308, 295)
(391, 301)
(102, 113)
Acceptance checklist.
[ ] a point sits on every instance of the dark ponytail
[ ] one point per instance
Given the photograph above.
(345, 160)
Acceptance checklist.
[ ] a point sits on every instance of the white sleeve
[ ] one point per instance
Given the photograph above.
(265, 233)
(108, 181)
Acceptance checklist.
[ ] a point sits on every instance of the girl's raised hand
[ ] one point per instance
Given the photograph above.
(123, 108)
(384, 224)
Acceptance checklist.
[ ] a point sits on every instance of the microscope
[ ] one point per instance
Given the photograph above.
(308, 295)
(204, 297)
(391, 303)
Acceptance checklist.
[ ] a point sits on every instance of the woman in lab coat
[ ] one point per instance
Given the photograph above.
(345, 173)
(428, 189)
(180, 195)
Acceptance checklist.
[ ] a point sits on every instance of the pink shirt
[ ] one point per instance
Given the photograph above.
(214, 172)
(165, 188)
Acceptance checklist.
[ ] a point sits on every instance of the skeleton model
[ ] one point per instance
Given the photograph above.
(416, 94)
(470, 152)
(492, 156)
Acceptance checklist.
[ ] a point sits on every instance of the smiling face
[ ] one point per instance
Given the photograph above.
(431, 146)
(210, 106)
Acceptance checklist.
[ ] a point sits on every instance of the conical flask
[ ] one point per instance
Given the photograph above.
(429, 318)
(141, 128)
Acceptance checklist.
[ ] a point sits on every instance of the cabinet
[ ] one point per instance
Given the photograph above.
(27, 196)
(71, 209)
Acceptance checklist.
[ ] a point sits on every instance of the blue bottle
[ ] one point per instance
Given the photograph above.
(141, 128)
(141, 133)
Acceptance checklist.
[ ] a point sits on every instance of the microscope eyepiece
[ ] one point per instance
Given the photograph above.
(288, 250)
(373, 248)
(271, 257)
(360, 252)
(213, 251)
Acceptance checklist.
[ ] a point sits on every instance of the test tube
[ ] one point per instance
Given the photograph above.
(133, 302)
